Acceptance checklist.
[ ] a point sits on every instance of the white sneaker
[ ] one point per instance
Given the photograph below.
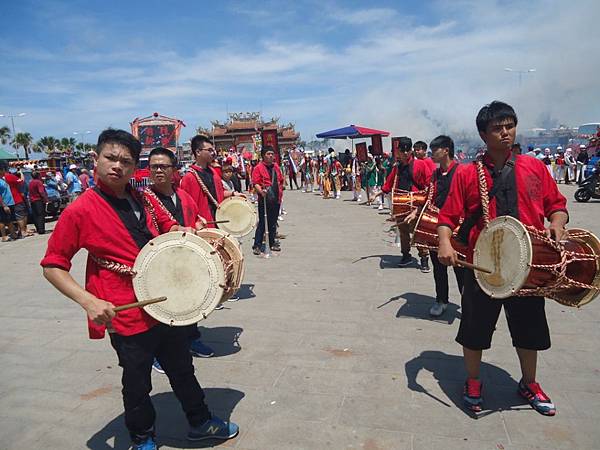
(337, 196)
(380, 207)
(280, 218)
(438, 309)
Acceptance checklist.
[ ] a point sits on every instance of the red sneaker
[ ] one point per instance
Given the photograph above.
(472, 395)
(537, 398)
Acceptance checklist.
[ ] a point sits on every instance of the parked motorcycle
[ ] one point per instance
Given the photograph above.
(589, 188)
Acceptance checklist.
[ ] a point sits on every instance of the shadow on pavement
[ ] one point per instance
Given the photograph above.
(389, 261)
(171, 424)
(500, 388)
(223, 340)
(418, 305)
(245, 292)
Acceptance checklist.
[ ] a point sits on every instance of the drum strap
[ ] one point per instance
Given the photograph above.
(122, 269)
(205, 189)
(504, 181)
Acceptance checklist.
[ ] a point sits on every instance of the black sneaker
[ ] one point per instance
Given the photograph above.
(256, 251)
(425, 265)
(276, 248)
(406, 260)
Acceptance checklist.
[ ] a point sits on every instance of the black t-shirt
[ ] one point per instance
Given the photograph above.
(173, 207)
(275, 183)
(206, 175)
(124, 207)
(443, 182)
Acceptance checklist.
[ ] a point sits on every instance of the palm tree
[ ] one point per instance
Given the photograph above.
(4, 135)
(49, 144)
(23, 140)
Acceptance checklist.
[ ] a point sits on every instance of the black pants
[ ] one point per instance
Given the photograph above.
(440, 275)
(38, 210)
(272, 215)
(292, 176)
(136, 353)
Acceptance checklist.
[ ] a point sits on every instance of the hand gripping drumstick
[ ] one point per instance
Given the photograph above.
(139, 304)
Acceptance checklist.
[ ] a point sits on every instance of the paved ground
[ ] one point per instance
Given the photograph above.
(331, 346)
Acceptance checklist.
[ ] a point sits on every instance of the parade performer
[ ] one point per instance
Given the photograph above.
(335, 173)
(268, 182)
(519, 186)
(420, 150)
(179, 206)
(356, 180)
(442, 148)
(203, 182)
(408, 174)
(112, 222)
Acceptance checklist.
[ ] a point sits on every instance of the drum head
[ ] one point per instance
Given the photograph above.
(234, 253)
(504, 247)
(240, 213)
(184, 268)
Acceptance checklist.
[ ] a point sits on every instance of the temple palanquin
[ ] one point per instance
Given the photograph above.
(243, 130)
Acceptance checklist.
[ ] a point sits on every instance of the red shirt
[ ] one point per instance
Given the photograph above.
(37, 191)
(91, 223)
(432, 165)
(262, 177)
(15, 184)
(538, 196)
(84, 179)
(188, 206)
(421, 176)
(190, 184)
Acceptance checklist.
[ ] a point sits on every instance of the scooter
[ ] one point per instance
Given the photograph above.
(589, 188)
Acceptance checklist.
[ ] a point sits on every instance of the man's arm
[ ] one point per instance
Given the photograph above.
(97, 310)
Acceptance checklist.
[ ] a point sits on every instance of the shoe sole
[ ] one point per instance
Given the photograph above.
(207, 438)
(543, 413)
(200, 355)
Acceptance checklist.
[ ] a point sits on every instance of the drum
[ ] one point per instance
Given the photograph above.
(404, 202)
(524, 262)
(425, 232)
(240, 214)
(184, 268)
(230, 253)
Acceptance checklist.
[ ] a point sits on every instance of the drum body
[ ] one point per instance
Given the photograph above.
(240, 214)
(404, 202)
(524, 262)
(425, 232)
(184, 268)
(230, 253)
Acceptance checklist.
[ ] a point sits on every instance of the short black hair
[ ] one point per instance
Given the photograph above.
(265, 149)
(404, 144)
(420, 145)
(35, 175)
(3, 166)
(494, 112)
(163, 151)
(443, 141)
(120, 137)
(197, 142)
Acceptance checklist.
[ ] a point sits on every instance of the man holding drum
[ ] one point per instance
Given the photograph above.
(113, 222)
(178, 205)
(408, 174)
(519, 186)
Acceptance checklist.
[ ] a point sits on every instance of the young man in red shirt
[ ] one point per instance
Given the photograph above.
(21, 210)
(522, 188)
(203, 182)
(420, 150)
(442, 148)
(268, 182)
(113, 223)
(408, 174)
(38, 199)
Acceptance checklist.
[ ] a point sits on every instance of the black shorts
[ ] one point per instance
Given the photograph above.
(7, 218)
(21, 211)
(525, 316)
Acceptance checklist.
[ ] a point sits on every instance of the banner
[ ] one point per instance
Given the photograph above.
(395, 146)
(376, 145)
(361, 152)
(269, 139)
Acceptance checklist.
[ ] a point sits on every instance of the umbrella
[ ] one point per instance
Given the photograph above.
(352, 132)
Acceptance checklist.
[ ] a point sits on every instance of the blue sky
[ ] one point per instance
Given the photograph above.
(414, 68)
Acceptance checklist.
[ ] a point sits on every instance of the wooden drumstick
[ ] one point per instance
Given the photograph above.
(213, 222)
(472, 266)
(139, 304)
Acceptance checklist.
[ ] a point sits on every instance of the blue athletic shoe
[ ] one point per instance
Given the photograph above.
(197, 348)
(147, 444)
(537, 398)
(156, 366)
(214, 428)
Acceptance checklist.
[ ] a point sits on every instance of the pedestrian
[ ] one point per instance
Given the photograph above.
(38, 199)
(570, 165)
(7, 207)
(526, 191)
(583, 159)
(84, 179)
(21, 210)
(73, 184)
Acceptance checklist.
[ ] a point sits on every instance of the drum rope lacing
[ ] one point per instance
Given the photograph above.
(113, 266)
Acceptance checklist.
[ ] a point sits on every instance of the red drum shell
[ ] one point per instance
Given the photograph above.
(425, 233)
(404, 202)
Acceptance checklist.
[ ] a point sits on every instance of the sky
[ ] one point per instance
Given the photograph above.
(414, 68)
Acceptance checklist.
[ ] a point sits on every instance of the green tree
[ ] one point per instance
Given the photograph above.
(67, 145)
(23, 140)
(4, 135)
(49, 143)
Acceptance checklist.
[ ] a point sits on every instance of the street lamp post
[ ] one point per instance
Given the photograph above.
(12, 121)
(520, 72)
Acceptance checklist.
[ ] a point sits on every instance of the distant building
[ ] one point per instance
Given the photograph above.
(243, 130)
